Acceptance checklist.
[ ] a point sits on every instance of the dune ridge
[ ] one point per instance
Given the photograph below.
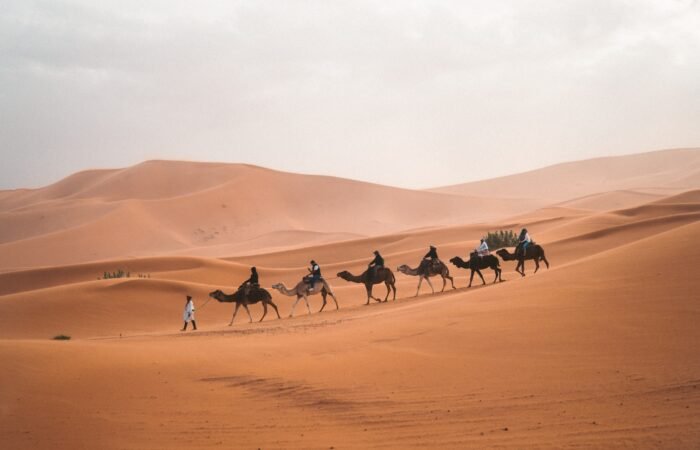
(664, 172)
(598, 351)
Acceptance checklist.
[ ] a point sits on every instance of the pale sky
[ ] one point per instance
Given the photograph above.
(405, 93)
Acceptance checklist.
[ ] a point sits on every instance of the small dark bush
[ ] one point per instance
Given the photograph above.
(501, 238)
(117, 274)
(61, 337)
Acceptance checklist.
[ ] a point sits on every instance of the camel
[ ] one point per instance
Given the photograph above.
(382, 275)
(476, 263)
(534, 251)
(426, 270)
(301, 290)
(255, 295)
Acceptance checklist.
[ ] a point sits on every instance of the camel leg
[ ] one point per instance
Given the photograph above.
(478, 272)
(420, 281)
(235, 311)
(431, 284)
(248, 311)
(537, 265)
(545, 261)
(388, 290)
(393, 287)
(471, 277)
(444, 282)
(337, 307)
(275, 306)
(294, 305)
(306, 300)
(520, 268)
(369, 293)
(264, 311)
(451, 281)
(496, 277)
(323, 294)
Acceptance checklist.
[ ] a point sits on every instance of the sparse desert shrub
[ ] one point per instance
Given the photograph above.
(61, 337)
(117, 274)
(501, 238)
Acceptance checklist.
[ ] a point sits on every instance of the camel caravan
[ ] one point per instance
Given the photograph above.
(250, 292)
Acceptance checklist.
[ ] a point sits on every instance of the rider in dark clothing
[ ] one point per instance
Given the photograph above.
(376, 264)
(430, 258)
(253, 280)
(378, 261)
(315, 274)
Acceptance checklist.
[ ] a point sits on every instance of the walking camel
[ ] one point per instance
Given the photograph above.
(426, 270)
(255, 295)
(476, 263)
(534, 251)
(301, 290)
(382, 275)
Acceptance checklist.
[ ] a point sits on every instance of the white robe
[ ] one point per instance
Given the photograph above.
(189, 311)
(483, 249)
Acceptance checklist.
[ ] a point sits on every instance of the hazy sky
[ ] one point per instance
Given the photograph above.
(407, 93)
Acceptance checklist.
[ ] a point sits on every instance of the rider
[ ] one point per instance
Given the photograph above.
(431, 256)
(376, 264)
(250, 282)
(483, 248)
(315, 274)
(524, 240)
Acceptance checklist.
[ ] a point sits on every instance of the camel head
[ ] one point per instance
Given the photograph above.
(403, 268)
(216, 294)
(344, 274)
(457, 261)
(504, 254)
(278, 286)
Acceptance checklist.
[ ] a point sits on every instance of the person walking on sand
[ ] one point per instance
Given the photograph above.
(188, 315)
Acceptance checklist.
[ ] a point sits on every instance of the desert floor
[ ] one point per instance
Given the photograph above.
(600, 350)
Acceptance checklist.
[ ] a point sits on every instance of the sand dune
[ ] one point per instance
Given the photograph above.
(566, 240)
(598, 351)
(612, 200)
(663, 172)
(160, 207)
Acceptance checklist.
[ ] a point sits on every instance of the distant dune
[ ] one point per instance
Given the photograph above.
(598, 351)
(662, 172)
(161, 208)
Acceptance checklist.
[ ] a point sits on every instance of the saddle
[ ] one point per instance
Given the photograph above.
(247, 288)
(434, 265)
(307, 279)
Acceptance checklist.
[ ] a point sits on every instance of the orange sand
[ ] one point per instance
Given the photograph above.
(599, 351)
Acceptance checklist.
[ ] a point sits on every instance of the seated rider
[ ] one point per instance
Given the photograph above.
(314, 276)
(376, 264)
(483, 248)
(250, 282)
(431, 257)
(523, 241)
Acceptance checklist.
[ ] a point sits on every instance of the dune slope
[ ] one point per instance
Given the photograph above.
(597, 352)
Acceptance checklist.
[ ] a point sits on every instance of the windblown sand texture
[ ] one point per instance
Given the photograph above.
(598, 351)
